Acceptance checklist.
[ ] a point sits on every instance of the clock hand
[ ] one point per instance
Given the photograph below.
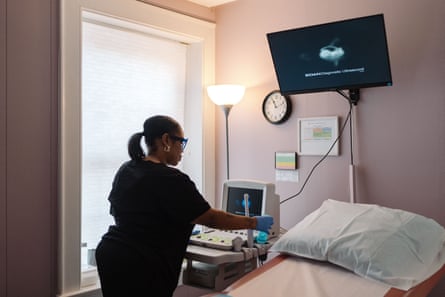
(274, 102)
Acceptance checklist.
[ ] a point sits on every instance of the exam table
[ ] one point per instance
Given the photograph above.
(350, 250)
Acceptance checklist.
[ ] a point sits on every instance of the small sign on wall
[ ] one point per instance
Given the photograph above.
(286, 160)
(286, 175)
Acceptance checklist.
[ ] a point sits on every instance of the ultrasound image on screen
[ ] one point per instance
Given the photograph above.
(235, 201)
(350, 53)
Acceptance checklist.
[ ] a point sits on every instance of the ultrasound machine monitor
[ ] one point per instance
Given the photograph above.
(262, 200)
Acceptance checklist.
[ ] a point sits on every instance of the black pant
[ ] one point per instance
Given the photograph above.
(126, 272)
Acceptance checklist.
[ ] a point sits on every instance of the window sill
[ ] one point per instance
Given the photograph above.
(89, 276)
(87, 291)
(90, 285)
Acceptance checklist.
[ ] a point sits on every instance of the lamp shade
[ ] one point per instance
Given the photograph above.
(226, 94)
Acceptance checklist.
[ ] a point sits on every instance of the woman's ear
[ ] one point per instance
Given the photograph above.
(165, 138)
(165, 141)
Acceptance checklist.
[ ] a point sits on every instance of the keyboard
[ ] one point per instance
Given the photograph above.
(220, 239)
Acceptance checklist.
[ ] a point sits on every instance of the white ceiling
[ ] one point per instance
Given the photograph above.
(211, 3)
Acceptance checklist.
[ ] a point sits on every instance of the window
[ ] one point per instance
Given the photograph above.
(127, 76)
(193, 42)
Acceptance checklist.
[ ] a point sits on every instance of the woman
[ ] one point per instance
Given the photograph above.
(155, 207)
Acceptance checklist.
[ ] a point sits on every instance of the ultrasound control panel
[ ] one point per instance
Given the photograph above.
(219, 239)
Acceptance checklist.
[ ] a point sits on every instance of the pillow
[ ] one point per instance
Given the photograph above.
(393, 246)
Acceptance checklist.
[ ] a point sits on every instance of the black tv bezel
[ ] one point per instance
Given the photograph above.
(353, 87)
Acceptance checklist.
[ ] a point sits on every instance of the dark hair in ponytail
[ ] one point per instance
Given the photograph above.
(154, 127)
(134, 147)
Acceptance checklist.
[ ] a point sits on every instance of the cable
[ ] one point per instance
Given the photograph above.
(351, 150)
(351, 155)
(348, 117)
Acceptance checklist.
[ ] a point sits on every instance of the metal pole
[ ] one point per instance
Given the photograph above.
(226, 109)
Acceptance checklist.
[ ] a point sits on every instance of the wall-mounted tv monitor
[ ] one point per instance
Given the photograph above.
(348, 54)
(262, 200)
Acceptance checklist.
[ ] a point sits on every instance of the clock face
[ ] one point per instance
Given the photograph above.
(276, 107)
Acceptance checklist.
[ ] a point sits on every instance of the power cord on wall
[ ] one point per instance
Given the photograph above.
(351, 142)
(348, 119)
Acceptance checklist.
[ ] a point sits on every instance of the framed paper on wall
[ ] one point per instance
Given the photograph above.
(317, 135)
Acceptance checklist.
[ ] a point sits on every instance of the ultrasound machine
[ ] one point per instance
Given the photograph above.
(242, 197)
(215, 258)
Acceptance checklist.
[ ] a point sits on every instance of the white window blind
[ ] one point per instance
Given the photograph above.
(127, 76)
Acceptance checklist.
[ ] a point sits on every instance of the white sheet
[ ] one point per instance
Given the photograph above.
(309, 278)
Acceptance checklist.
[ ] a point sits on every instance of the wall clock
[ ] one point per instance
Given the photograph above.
(276, 107)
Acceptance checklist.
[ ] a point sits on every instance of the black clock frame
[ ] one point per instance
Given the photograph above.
(288, 110)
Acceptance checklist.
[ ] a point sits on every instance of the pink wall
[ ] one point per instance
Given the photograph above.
(400, 138)
(28, 147)
(2, 147)
(400, 141)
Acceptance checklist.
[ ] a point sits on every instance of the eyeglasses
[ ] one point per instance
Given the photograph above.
(182, 140)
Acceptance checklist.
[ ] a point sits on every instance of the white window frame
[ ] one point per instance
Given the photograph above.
(199, 121)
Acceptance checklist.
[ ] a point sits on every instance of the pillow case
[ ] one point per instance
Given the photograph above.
(393, 246)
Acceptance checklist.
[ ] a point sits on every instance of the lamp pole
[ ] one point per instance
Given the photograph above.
(227, 109)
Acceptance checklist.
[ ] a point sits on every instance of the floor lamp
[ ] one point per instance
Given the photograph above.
(226, 96)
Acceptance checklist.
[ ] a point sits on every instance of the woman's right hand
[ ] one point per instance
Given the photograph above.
(264, 223)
